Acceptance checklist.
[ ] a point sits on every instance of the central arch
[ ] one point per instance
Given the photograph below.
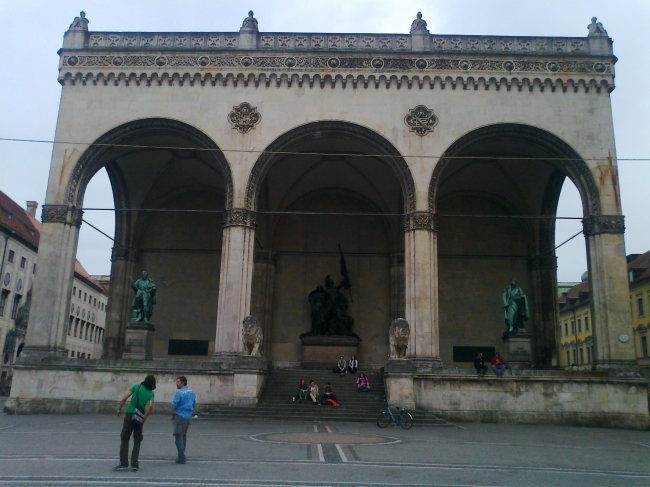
(331, 128)
(316, 187)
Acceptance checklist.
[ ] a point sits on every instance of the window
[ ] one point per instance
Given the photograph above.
(12, 256)
(579, 326)
(566, 329)
(589, 355)
(639, 304)
(74, 291)
(23, 262)
(582, 356)
(79, 293)
(76, 326)
(3, 301)
(70, 325)
(573, 327)
(34, 269)
(14, 308)
(95, 302)
(85, 296)
(644, 346)
(568, 358)
(575, 358)
(87, 329)
(587, 324)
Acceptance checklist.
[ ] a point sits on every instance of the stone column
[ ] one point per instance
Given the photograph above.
(397, 303)
(118, 310)
(421, 293)
(610, 292)
(262, 300)
(48, 320)
(235, 282)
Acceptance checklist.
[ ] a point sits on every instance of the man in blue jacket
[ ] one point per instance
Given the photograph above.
(183, 406)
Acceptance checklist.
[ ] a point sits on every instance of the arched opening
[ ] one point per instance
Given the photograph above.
(496, 192)
(316, 187)
(170, 185)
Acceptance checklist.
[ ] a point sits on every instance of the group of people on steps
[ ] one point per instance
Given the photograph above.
(311, 392)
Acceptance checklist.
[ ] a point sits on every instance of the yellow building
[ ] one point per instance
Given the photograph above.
(575, 324)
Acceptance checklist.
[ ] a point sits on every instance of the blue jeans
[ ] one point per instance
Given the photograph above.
(363, 388)
(181, 441)
(499, 369)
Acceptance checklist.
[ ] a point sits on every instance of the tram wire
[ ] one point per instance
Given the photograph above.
(331, 154)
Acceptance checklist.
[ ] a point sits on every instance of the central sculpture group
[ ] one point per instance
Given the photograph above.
(329, 311)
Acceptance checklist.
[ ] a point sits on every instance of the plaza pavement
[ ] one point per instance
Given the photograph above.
(82, 449)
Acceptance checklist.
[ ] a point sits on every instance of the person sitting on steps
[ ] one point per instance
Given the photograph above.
(329, 397)
(341, 366)
(479, 365)
(313, 392)
(498, 365)
(353, 364)
(303, 390)
(362, 383)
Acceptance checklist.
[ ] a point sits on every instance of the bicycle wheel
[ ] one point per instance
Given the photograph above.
(405, 420)
(383, 420)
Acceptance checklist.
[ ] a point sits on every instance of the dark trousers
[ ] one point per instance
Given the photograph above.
(481, 368)
(326, 397)
(127, 430)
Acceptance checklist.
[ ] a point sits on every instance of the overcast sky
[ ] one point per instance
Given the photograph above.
(31, 32)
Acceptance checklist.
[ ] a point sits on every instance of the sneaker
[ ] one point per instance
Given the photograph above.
(135, 468)
(121, 467)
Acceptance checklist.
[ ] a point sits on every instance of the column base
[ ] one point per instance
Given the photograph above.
(398, 377)
(517, 351)
(250, 372)
(138, 341)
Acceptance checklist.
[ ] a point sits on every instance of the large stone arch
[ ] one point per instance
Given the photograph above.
(384, 149)
(572, 164)
(95, 157)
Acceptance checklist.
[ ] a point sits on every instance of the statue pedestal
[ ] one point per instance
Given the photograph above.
(516, 350)
(319, 352)
(138, 341)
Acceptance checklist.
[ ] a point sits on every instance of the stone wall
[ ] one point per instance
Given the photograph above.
(589, 401)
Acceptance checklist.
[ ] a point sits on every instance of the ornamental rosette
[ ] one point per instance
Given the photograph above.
(244, 117)
(421, 120)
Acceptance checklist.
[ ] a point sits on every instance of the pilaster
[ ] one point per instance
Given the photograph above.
(421, 292)
(46, 334)
(118, 311)
(262, 299)
(609, 288)
(235, 282)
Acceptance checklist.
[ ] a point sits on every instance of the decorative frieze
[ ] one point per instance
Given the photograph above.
(62, 214)
(421, 220)
(320, 63)
(595, 225)
(240, 217)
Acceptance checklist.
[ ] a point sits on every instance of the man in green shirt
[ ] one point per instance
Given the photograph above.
(141, 397)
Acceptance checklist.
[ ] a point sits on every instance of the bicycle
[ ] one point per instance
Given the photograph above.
(403, 418)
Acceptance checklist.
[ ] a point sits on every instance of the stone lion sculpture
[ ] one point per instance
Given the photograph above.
(252, 336)
(398, 334)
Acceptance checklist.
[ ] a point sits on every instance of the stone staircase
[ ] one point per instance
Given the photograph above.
(276, 401)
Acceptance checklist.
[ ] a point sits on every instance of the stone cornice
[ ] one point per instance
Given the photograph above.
(596, 225)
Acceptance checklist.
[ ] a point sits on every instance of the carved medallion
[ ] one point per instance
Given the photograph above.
(244, 117)
(421, 120)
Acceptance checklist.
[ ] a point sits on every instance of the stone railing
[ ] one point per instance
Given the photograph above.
(343, 42)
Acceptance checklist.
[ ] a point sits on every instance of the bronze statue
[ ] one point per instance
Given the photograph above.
(144, 297)
(515, 307)
(329, 310)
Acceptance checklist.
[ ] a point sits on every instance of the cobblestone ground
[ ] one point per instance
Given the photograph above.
(81, 450)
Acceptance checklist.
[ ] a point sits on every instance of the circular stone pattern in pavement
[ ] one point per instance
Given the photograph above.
(338, 438)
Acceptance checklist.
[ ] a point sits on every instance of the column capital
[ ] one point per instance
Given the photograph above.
(595, 225)
(421, 220)
(124, 253)
(240, 217)
(62, 214)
